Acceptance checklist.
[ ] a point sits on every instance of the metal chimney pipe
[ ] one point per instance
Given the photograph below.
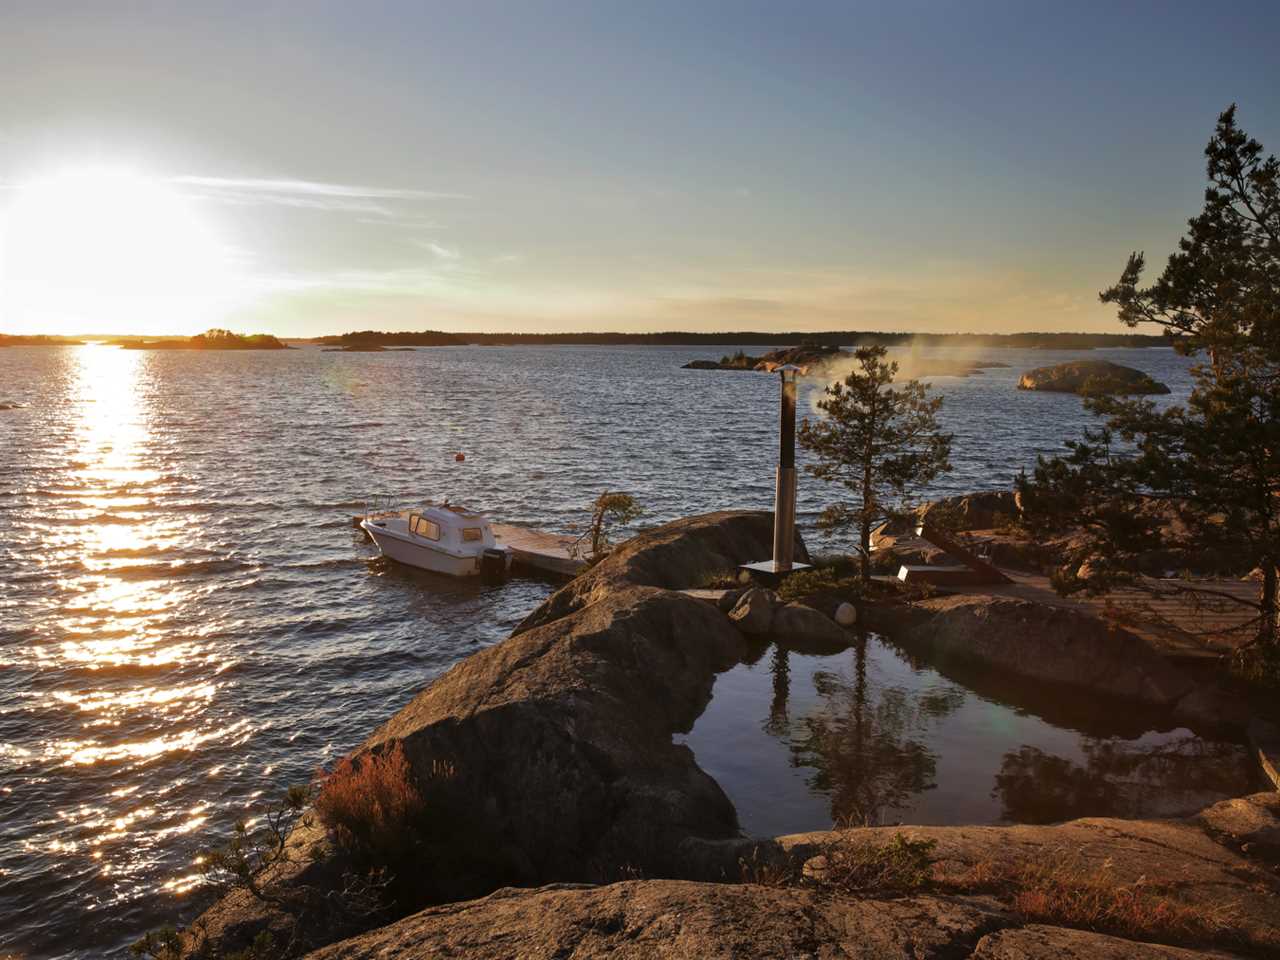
(784, 500)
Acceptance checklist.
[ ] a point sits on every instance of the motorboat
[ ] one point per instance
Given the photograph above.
(446, 539)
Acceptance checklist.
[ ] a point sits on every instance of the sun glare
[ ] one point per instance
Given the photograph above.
(108, 251)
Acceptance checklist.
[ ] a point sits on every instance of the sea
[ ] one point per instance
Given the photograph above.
(189, 622)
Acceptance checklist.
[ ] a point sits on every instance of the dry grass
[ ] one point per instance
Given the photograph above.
(900, 866)
(1072, 893)
(766, 873)
(370, 804)
(1058, 891)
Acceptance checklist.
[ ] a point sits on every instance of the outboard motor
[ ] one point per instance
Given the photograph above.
(493, 566)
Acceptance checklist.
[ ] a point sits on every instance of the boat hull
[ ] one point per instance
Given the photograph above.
(422, 556)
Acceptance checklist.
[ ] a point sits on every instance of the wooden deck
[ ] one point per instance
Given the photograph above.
(538, 551)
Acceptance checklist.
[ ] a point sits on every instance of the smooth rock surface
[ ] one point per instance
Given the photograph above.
(1037, 942)
(675, 556)
(563, 733)
(1182, 853)
(678, 919)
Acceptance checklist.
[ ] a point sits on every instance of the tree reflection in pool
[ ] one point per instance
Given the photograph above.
(873, 735)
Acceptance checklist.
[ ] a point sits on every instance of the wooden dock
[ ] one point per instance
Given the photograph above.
(533, 552)
(537, 551)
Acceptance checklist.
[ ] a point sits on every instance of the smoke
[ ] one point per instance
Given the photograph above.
(916, 361)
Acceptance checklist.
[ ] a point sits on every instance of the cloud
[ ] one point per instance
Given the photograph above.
(440, 251)
(313, 188)
(305, 194)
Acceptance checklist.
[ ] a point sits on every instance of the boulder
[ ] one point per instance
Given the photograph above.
(1092, 376)
(563, 733)
(1250, 824)
(846, 614)
(1045, 642)
(801, 626)
(753, 614)
(982, 510)
(675, 556)
(729, 599)
(974, 511)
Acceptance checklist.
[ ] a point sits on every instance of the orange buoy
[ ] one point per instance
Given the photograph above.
(459, 457)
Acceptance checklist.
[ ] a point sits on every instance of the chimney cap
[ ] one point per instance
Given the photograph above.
(785, 368)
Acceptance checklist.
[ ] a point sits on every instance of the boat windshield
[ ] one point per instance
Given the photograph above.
(423, 527)
(472, 534)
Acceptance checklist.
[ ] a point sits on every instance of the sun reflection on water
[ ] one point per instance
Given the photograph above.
(120, 628)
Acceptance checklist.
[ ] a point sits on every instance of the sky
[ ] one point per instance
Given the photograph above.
(305, 168)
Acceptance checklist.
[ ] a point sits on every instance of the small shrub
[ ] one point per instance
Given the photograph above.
(763, 874)
(902, 865)
(1258, 664)
(820, 579)
(263, 948)
(162, 944)
(715, 579)
(370, 805)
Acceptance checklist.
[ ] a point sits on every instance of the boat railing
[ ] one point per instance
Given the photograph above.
(381, 505)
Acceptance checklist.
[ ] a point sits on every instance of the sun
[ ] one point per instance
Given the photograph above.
(98, 250)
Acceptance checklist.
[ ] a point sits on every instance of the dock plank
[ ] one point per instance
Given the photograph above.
(538, 550)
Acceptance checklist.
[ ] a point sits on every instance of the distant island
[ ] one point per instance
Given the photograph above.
(813, 355)
(37, 340)
(1090, 377)
(215, 339)
(837, 338)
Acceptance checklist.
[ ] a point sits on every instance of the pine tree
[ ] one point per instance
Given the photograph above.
(880, 441)
(1205, 478)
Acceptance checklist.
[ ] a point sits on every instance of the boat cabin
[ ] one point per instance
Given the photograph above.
(450, 528)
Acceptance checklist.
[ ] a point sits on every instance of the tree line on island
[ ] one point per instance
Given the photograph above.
(746, 338)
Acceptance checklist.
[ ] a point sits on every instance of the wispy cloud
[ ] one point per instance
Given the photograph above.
(306, 194)
(440, 251)
(314, 188)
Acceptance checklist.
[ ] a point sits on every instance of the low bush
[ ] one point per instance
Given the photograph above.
(370, 804)
(902, 865)
(424, 833)
(833, 577)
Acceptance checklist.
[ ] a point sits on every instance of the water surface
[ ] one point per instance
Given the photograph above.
(188, 622)
(873, 735)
